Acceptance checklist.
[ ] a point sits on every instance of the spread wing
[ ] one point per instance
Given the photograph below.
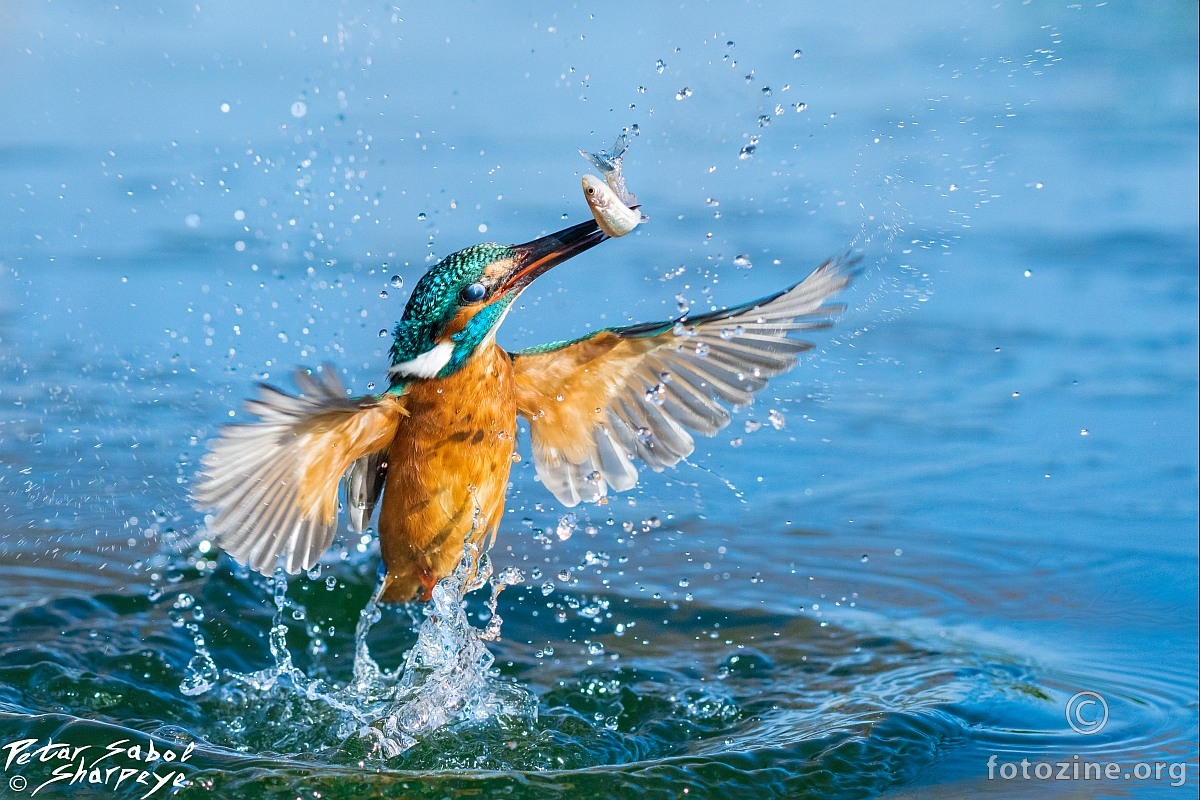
(272, 484)
(596, 403)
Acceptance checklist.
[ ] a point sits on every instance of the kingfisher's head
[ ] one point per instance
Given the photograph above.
(461, 301)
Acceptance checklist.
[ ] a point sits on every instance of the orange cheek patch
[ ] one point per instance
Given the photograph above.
(460, 320)
(498, 269)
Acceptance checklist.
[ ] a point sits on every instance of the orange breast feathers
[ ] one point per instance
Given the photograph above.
(447, 472)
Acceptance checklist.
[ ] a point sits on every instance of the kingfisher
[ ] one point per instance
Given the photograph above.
(434, 450)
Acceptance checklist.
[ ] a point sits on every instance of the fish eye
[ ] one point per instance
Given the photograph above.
(591, 190)
(473, 293)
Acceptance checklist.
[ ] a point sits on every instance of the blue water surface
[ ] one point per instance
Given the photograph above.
(973, 500)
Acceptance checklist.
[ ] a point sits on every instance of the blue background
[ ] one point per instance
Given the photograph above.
(984, 498)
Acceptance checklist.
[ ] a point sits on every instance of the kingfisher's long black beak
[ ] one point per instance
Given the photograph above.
(534, 258)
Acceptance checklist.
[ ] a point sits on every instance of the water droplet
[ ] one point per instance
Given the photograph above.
(683, 93)
(752, 425)
(567, 525)
(422, 215)
(865, 558)
(776, 419)
(200, 676)
(331, 583)
(660, 66)
(766, 90)
(383, 295)
(742, 261)
(224, 108)
(735, 442)
(1028, 273)
(701, 349)
(383, 333)
(644, 434)
(595, 648)
(1084, 432)
(797, 54)
(510, 576)
(397, 282)
(684, 583)
(547, 588)
(800, 107)
(564, 575)
(764, 120)
(299, 109)
(192, 220)
(747, 152)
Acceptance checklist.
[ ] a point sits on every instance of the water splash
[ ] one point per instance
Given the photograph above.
(447, 680)
(201, 673)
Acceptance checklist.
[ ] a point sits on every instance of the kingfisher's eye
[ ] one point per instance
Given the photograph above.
(473, 293)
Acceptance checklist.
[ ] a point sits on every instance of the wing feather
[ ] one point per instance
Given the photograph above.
(615, 465)
(597, 403)
(272, 483)
(364, 484)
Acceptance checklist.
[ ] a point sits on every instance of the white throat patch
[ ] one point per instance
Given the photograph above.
(426, 365)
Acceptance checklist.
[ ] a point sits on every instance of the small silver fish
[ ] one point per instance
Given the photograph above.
(614, 217)
(609, 164)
